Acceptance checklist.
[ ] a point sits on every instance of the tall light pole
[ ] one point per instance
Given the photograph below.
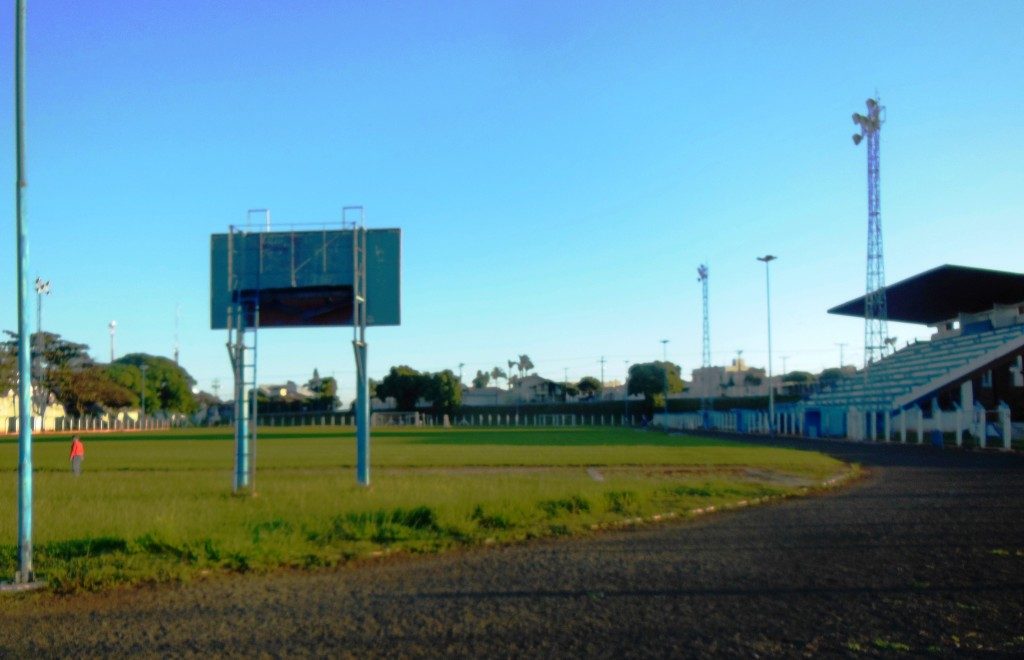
(42, 289)
(664, 373)
(767, 259)
(25, 574)
(112, 326)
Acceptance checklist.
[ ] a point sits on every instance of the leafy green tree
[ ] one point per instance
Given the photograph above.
(589, 386)
(405, 385)
(481, 379)
(52, 356)
(8, 368)
(444, 392)
(326, 389)
(85, 389)
(799, 377)
(168, 386)
(831, 376)
(650, 378)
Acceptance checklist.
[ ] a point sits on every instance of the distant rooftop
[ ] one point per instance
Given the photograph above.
(944, 293)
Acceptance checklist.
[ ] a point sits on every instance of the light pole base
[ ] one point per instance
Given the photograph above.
(22, 583)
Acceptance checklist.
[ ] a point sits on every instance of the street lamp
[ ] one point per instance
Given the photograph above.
(42, 289)
(664, 375)
(767, 259)
(112, 326)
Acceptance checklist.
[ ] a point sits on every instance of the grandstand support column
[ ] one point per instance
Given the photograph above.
(960, 425)
(903, 425)
(920, 425)
(978, 428)
(1004, 421)
(887, 425)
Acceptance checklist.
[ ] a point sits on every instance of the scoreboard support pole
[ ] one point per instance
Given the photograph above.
(359, 346)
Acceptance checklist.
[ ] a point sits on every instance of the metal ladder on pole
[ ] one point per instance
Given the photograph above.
(244, 312)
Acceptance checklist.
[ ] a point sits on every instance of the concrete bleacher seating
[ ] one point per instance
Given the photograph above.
(918, 366)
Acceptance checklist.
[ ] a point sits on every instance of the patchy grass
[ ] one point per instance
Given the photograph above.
(158, 506)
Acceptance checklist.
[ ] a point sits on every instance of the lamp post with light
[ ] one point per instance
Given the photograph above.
(767, 259)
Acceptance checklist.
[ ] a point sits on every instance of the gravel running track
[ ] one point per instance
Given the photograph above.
(924, 555)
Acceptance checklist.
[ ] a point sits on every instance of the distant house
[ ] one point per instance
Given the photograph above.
(289, 391)
(531, 389)
(735, 380)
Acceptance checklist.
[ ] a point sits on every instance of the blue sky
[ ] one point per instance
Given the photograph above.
(558, 169)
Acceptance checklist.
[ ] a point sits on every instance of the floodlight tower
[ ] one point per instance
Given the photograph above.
(876, 314)
(702, 277)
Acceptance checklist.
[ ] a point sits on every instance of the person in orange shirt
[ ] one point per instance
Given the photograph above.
(77, 454)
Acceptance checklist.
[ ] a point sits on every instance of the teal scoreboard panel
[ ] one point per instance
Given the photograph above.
(303, 278)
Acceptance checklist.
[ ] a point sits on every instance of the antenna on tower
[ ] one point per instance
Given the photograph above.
(876, 313)
(702, 277)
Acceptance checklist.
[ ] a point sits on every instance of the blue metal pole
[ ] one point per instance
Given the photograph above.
(25, 571)
(362, 417)
(242, 423)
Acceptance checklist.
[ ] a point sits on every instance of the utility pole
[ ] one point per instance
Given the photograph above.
(841, 346)
(112, 326)
(602, 361)
(767, 259)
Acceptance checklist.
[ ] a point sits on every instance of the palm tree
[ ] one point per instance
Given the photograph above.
(497, 373)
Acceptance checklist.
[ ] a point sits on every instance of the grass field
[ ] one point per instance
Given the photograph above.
(158, 506)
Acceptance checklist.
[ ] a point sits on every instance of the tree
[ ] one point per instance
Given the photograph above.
(405, 385)
(649, 379)
(497, 373)
(589, 386)
(525, 364)
(326, 389)
(481, 379)
(444, 392)
(799, 377)
(168, 386)
(51, 356)
(829, 377)
(83, 390)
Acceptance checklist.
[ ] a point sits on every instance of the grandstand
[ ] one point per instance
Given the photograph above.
(974, 362)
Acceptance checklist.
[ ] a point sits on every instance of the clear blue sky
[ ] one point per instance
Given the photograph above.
(559, 169)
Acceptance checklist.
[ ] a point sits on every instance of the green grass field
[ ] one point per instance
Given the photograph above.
(158, 506)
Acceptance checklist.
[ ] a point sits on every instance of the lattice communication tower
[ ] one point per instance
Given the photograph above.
(876, 315)
(702, 277)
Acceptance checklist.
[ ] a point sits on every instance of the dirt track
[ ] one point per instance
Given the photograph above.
(926, 554)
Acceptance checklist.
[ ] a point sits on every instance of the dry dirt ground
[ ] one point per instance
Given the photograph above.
(923, 556)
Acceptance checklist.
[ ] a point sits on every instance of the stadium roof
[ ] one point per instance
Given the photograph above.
(943, 293)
